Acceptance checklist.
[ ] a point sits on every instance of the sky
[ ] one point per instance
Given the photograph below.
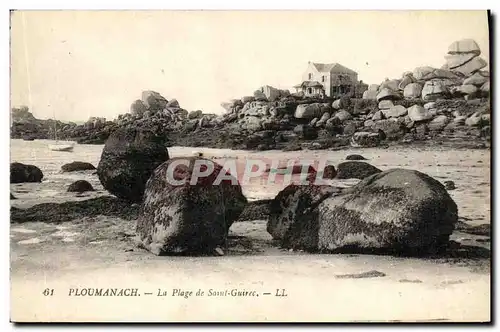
(72, 65)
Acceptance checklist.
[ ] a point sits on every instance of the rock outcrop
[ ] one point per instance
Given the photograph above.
(391, 109)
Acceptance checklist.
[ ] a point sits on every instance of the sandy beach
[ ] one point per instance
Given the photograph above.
(99, 252)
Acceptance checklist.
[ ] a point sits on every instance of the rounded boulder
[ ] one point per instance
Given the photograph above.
(128, 159)
(20, 173)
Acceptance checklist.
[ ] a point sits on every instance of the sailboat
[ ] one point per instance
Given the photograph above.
(65, 147)
(57, 146)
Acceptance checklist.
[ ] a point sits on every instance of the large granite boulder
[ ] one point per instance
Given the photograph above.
(138, 108)
(418, 113)
(370, 94)
(154, 101)
(185, 211)
(472, 66)
(173, 103)
(423, 73)
(308, 111)
(433, 90)
(477, 79)
(355, 170)
(195, 114)
(128, 159)
(385, 104)
(390, 84)
(412, 90)
(468, 46)
(20, 173)
(457, 60)
(399, 211)
(387, 94)
(468, 89)
(395, 112)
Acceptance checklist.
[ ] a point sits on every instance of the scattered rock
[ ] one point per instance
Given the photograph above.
(365, 139)
(395, 112)
(195, 114)
(329, 172)
(379, 115)
(306, 132)
(430, 105)
(483, 229)
(362, 275)
(415, 281)
(77, 166)
(385, 104)
(355, 157)
(80, 186)
(391, 129)
(474, 120)
(449, 185)
(355, 170)
(418, 113)
(343, 115)
(438, 123)
(20, 173)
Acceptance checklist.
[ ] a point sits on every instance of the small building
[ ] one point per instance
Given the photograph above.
(328, 79)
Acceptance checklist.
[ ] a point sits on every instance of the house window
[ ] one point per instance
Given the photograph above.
(310, 76)
(323, 78)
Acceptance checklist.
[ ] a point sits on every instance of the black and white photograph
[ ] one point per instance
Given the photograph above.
(261, 166)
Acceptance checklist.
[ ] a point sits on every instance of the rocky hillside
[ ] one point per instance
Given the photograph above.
(451, 103)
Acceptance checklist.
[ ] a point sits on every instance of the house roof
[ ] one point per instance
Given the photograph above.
(332, 68)
(309, 84)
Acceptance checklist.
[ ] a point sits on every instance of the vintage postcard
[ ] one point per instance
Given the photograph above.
(250, 166)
